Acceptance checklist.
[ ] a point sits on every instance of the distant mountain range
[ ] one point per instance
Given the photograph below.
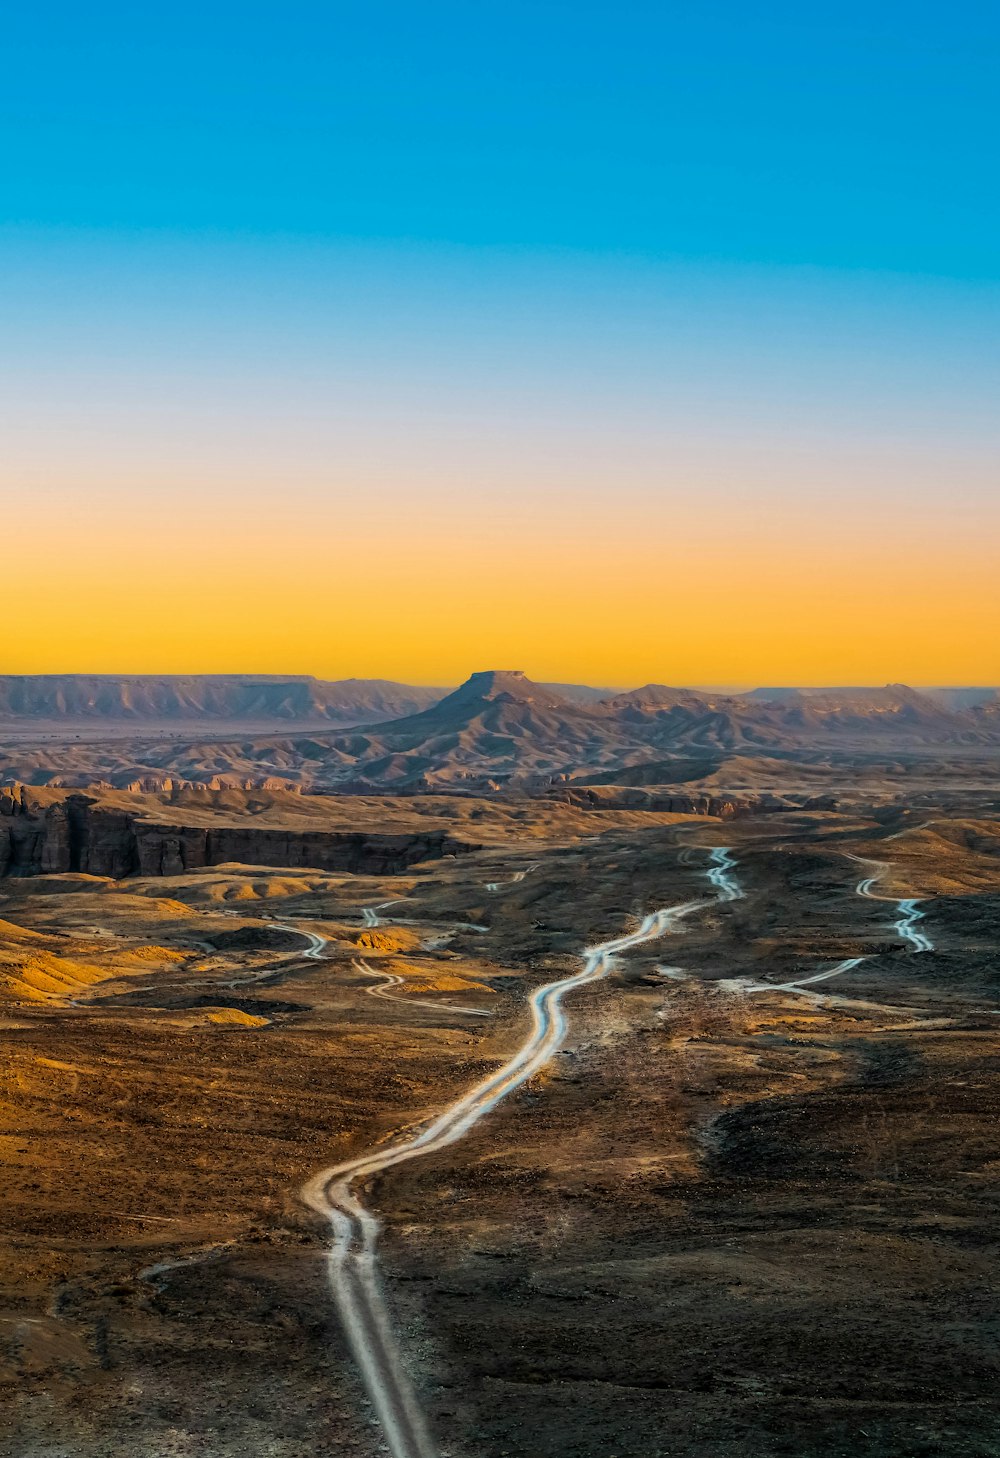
(227, 697)
(230, 697)
(502, 726)
(258, 698)
(498, 729)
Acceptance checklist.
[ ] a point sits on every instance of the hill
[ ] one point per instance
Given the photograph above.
(165, 698)
(501, 730)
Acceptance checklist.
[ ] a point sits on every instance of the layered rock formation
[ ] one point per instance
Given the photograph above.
(191, 697)
(34, 835)
(51, 834)
(499, 732)
(668, 801)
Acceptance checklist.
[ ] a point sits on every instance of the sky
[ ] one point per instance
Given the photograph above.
(617, 343)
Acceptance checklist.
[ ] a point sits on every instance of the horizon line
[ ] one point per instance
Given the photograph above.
(742, 686)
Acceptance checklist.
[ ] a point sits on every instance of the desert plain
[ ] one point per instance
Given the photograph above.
(746, 1204)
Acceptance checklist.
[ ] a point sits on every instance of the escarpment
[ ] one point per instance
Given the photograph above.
(49, 833)
(667, 800)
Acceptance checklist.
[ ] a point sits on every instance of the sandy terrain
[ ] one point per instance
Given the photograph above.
(741, 1213)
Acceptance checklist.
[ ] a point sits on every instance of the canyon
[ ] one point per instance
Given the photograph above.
(555, 1086)
(76, 832)
(119, 834)
(740, 1201)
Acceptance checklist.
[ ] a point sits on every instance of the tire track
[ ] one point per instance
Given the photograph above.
(334, 1193)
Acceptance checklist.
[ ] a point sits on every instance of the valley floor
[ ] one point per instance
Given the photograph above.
(748, 1209)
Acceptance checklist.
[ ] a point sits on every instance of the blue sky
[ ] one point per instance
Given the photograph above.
(845, 136)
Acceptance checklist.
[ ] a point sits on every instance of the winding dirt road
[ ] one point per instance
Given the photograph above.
(317, 944)
(720, 873)
(370, 914)
(335, 1193)
(905, 926)
(494, 886)
(389, 980)
(800, 987)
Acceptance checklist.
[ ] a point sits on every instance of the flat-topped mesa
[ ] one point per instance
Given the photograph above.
(206, 698)
(502, 683)
(490, 682)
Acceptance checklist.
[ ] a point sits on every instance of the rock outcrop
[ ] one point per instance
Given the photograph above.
(669, 801)
(34, 839)
(74, 833)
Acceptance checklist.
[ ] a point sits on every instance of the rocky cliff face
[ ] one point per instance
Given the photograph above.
(171, 850)
(34, 839)
(74, 834)
(721, 807)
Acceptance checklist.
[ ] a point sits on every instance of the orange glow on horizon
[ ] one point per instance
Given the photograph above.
(225, 457)
(587, 599)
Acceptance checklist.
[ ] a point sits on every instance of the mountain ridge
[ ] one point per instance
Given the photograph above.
(499, 729)
(183, 697)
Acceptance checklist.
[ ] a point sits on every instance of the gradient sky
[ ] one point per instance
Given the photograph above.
(615, 343)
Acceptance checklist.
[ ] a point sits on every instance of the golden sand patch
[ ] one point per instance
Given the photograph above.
(11, 932)
(149, 954)
(242, 885)
(379, 939)
(224, 1017)
(939, 858)
(41, 976)
(115, 902)
(195, 1019)
(424, 979)
(242, 892)
(233, 1017)
(278, 887)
